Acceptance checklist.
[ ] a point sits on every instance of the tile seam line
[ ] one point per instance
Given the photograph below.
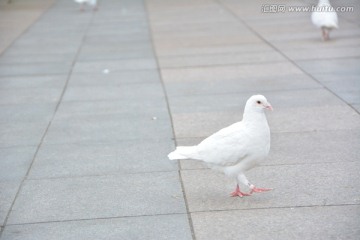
(179, 213)
(25, 31)
(276, 165)
(151, 33)
(275, 208)
(96, 218)
(244, 92)
(47, 127)
(284, 132)
(291, 61)
(104, 175)
(257, 63)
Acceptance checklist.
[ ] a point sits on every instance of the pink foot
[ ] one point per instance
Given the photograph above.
(258, 190)
(238, 193)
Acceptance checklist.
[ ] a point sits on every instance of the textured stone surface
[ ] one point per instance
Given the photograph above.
(302, 185)
(98, 197)
(102, 159)
(147, 227)
(283, 223)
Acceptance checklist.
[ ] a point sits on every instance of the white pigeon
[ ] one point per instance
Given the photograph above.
(236, 148)
(325, 17)
(93, 3)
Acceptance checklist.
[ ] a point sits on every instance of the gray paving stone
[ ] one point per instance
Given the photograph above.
(208, 40)
(98, 197)
(29, 95)
(34, 69)
(111, 79)
(143, 91)
(314, 147)
(236, 101)
(295, 223)
(230, 72)
(107, 128)
(323, 53)
(136, 108)
(37, 58)
(315, 43)
(146, 227)
(234, 83)
(344, 66)
(203, 124)
(26, 112)
(123, 157)
(351, 97)
(346, 86)
(338, 81)
(22, 133)
(43, 49)
(14, 162)
(192, 13)
(111, 38)
(199, 125)
(115, 66)
(357, 107)
(299, 148)
(8, 190)
(171, 50)
(302, 185)
(123, 28)
(116, 48)
(32, 39)
(219, 59)
(314, 119)
(49, 81)
(115, 54)
(181, 29)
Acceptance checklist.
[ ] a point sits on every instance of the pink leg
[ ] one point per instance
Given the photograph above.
(258, 190)
(82, 7)
(238, 193)
(327, 36)
(323, 31)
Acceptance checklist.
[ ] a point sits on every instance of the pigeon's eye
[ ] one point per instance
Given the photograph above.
(258, 102)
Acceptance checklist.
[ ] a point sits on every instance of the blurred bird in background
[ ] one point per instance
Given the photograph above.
(325, 18)
(92, 3)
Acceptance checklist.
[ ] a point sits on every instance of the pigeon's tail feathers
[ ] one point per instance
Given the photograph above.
(183, 153)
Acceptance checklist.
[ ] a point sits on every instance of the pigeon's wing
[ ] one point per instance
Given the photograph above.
(226, 147)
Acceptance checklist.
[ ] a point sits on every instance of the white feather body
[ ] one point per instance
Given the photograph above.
(324, 16)
(234, 149)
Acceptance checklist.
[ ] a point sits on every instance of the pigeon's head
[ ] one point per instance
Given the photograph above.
(258, 102)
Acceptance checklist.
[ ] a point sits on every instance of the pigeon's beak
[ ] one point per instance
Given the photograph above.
(268, 106)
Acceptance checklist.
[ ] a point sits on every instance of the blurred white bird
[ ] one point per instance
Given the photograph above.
(325, 17)
(93, 3)
(236, 148)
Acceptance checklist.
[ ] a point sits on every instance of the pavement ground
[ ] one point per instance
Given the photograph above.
(92, 102)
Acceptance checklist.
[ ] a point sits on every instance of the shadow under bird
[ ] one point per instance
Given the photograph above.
(236, 148)
(325, 18)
